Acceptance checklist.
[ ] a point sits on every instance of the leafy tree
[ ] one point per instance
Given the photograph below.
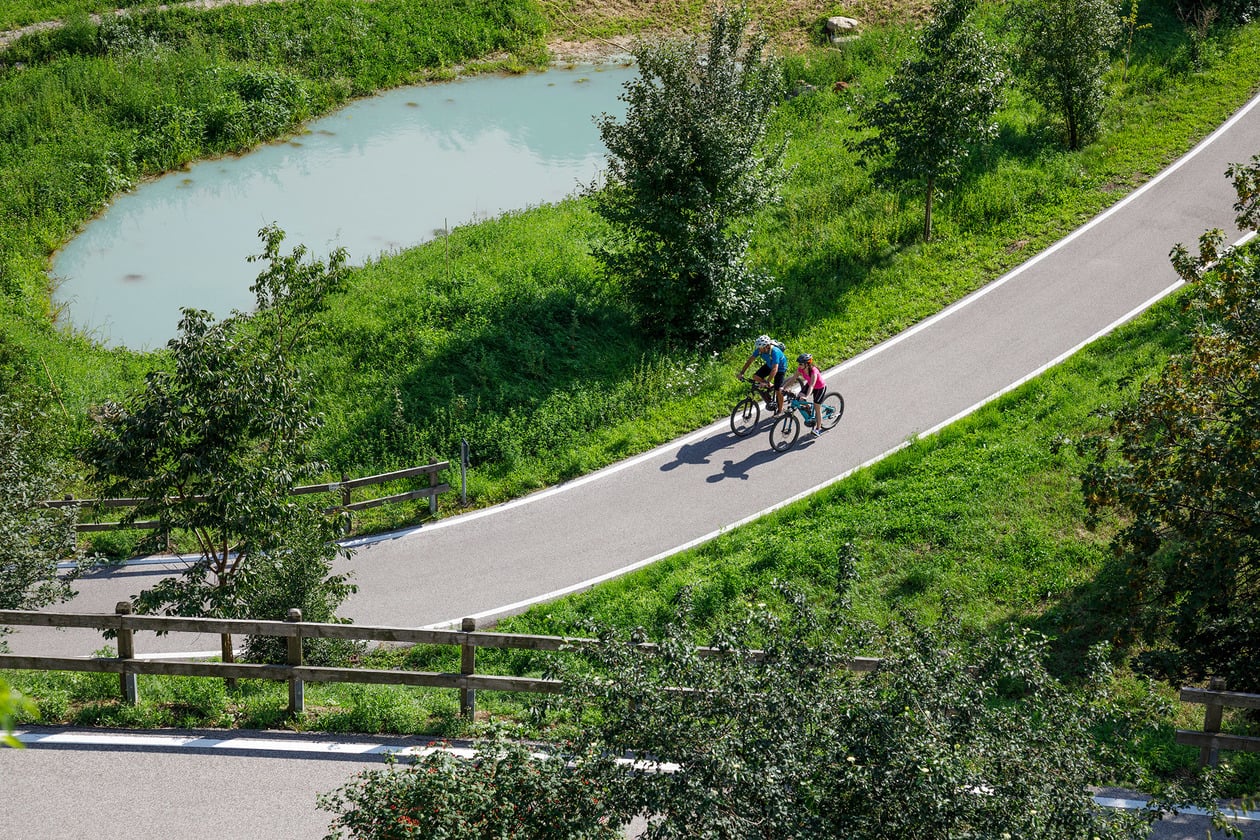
(686, 169)
(1064, 49)
(214, 445)
(944, 739)
(938, 104)
(1182, 463)
(32, 539)
(505, 791)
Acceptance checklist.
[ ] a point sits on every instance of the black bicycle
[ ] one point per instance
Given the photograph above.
(747, 412)
(787, 426)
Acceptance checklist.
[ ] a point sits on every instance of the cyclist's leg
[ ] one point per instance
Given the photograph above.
(778, 389)
(818, 395)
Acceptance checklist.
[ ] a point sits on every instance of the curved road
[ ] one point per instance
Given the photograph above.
(496, 561)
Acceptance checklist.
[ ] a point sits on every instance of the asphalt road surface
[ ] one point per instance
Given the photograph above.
(234, 786)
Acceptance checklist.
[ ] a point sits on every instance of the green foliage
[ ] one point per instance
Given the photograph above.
(949, 737)
(12, 704)
(939, 103)
(686, 169)
(32, 539)
(215, 445)
(1181, 462)
(1063, 52)
(503, 791)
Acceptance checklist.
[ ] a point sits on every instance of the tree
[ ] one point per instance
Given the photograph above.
(938, 104)
(505, 791)
(944, 739)
(1064, 51)
(32, 539)
(686, 168)
(1181, 463)
(214, 446)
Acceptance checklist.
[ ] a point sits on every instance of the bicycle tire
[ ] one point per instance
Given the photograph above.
(785, 431)
(832, 410)
(745, 416)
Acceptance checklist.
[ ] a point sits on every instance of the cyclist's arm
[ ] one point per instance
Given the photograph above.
(744, 369)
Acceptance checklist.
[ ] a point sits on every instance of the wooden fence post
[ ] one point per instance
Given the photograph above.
(467, 666)
(433, 481)
(297, 688)
(127, 650)
(1208, 756)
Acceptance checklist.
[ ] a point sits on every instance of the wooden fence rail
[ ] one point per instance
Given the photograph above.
(1210, 741)
(345, 486)
(294, 672)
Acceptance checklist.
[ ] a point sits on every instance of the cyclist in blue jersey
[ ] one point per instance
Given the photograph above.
(773, 367)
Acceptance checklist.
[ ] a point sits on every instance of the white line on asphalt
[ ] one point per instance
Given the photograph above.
(338, 749)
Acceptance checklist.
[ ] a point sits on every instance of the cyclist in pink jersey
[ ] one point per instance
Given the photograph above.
(812, 385)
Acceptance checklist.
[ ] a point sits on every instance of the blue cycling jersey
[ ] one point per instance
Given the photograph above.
(773, 356)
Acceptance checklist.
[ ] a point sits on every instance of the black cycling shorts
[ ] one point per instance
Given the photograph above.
(764, 371)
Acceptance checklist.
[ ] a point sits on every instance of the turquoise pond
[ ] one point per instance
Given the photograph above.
(377, 176)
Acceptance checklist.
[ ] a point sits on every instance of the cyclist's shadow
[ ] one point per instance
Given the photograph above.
(702, 452)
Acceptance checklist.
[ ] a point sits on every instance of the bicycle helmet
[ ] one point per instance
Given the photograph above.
(761, 342)
(805, 358)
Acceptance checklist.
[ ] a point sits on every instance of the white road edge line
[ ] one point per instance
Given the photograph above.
(295, 747)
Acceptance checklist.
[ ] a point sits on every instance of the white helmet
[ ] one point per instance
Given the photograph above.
(761, 342)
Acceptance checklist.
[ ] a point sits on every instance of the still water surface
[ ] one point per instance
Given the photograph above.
(379, 175)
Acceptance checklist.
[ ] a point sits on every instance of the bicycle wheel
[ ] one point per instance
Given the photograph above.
(832, 409)
(744, 417)
(785, 431)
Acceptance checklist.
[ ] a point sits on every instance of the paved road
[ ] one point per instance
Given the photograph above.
(230, 786)
(495, 561)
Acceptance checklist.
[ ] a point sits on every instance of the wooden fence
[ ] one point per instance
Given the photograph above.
(294, 672)
(1214, 700)
(344, 487)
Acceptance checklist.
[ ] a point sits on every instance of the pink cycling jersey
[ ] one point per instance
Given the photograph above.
(816, 384)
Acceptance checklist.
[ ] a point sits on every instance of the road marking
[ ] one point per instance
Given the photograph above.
(300, 747)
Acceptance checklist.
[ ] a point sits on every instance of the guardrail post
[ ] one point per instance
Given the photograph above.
(433, 481)
(467, 666)
(1212, 712)
(127, 650)
(297, 687)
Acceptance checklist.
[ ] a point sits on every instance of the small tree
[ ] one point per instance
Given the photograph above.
(32, 539)
(1182, 463)
(938, 104)
(1064, 51)
(686, 169)
(214, 445)
(506, 791)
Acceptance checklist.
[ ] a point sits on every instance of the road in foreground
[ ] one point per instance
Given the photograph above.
(231, 786)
